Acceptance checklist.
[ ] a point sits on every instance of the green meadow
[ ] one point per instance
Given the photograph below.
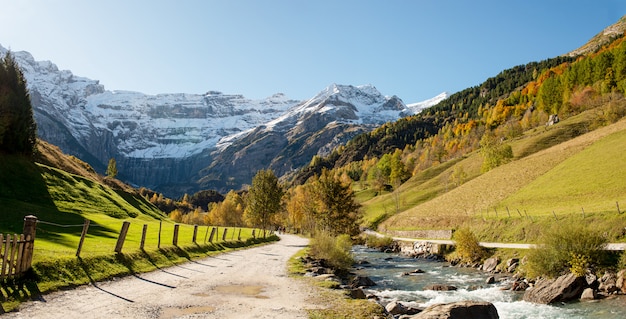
(569, 172)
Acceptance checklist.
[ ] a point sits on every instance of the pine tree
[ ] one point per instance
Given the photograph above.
(18, 131)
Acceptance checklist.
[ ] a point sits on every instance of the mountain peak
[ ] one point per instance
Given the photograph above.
(605, 36)
(419, 106)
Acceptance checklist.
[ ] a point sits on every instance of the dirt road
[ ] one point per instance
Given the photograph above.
(251, 283)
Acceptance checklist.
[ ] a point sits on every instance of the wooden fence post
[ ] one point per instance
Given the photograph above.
(159, 240)
(175, 239)
(195, 233)
(253, 235)
(206, 234)
(239, 235)
(618, 211)
(5, 257)
(212, 234)
(143, 236)
(29, 231)
(224, 235)
(82, 237)
(122, 237)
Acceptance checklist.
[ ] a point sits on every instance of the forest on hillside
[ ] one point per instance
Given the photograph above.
(501, 108)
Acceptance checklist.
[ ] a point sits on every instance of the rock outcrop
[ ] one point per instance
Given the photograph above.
(459, 310)
(565, 288)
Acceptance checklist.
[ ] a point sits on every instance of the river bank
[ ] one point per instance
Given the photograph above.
(389, 272)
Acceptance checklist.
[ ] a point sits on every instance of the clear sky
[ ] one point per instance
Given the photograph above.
(414, 49)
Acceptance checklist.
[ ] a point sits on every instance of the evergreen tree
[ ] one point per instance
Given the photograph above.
(264, 198)
(18, 131)
(112, 168)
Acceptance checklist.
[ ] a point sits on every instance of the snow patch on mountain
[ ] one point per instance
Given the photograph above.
(419, 106)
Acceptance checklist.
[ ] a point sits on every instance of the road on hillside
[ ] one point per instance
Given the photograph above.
(610, 246)
(250, 283)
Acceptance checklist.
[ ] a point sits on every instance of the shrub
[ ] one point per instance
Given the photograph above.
(467, 249)
(565, 247)
(374, 241)
(336, 251)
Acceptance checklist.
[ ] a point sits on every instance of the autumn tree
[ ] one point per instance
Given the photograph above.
(263, 199)
(338, 212)
(494, 152)
(112, 168)
(398, 173)
(301, 206)
(18, 130)
(229, 212)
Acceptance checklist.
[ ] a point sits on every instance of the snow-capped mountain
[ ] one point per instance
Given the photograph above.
(313, 127)
(419, 106)
(172, 142)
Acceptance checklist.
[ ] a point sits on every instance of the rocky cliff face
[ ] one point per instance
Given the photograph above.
(176, 143)
(314, 127)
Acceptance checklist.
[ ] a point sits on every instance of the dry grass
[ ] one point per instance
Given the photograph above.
(564, 178)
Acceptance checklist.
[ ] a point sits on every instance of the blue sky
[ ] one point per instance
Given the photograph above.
(413, 49)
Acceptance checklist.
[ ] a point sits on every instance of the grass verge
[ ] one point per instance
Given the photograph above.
(336, 303)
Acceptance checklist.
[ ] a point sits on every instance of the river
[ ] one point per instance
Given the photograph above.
(388, 270)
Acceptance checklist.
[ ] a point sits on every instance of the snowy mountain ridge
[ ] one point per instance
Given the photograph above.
(180, 133)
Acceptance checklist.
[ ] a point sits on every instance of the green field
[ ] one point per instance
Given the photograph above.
(563, 173)
(62, 202)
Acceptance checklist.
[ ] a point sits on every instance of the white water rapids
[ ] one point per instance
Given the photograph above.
(388, 271)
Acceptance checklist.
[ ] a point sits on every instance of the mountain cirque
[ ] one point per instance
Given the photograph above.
(181, 143)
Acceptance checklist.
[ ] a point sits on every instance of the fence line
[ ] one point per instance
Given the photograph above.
(126, 225)
(484, 213)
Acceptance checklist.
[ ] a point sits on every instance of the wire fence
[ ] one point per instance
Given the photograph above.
(211, 233)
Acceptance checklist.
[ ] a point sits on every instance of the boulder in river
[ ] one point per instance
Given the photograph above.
(490, 264)
(361, 281)
(460, 310)
(357, 293)
(608, 283)
(565, 288)
(588, 294)
(439, 287)
(397, 308)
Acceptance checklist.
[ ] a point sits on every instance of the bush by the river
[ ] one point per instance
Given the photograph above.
(573, 247)
(335, 250)
(378, 242)
(467, 250)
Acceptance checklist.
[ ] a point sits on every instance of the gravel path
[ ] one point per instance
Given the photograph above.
(250, 283)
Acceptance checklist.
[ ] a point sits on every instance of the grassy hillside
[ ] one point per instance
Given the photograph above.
(62, 201)
(551, 180)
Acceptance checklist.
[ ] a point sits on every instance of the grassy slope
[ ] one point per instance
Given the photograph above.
(62, 201)
(582, 173)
